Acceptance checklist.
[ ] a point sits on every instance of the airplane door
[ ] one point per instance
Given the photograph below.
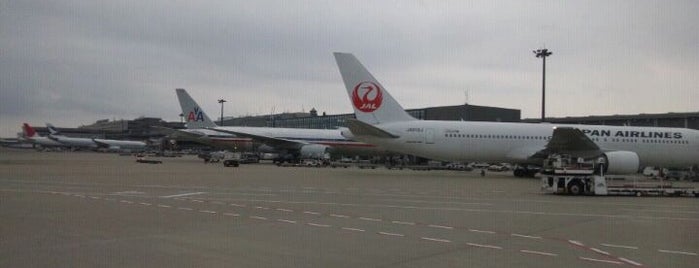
(429, 136)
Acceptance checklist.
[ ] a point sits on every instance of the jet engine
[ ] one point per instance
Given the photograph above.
(314, 151)
(621, 162)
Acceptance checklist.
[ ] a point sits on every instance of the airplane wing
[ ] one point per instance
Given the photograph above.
(180, 134)
(271, 141)
(565, 140)
(101, 143)
(359, 128)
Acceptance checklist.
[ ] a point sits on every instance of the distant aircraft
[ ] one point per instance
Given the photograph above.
(299, 142)
(382, 121)
(72, 142)
(93, 143)
(31, 136)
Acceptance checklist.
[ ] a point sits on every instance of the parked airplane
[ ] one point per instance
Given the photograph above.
(382, 121)
(197, 124)
(94, 143)
(70, 141)
(298, 142)
(32, 137)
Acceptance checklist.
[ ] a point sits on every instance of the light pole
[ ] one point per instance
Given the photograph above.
(543, 53)
(221, 101)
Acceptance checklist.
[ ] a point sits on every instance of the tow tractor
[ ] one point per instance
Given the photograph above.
(564, 174)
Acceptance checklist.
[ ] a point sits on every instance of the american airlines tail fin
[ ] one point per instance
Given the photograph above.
(371, 102)
(29, 132)
(193, 114)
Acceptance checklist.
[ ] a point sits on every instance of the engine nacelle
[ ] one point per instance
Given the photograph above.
(621, 162)
(314, 151)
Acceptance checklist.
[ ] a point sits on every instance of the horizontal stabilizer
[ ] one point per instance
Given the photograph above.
(359, 128)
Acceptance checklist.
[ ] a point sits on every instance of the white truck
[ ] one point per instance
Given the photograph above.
(566, 175)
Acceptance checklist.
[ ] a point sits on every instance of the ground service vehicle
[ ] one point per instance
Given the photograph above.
(564, 175)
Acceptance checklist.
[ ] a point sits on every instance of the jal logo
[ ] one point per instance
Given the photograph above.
(367, 97)
(195, 115)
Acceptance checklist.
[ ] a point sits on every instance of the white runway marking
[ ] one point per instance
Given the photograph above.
(526, 236)
(352, 229)
(311, 212)
(390, 234)
(677, 252)
(435, 239)
(198, 201)
(181, 195)
(182, 208)
(93, 197)
(369, 219)
(208, 211)
(237, 205)
(483, 246)
(339, 216)
(619, 246)
(480, 231)
(258, 218)
(145, 204)
(231, 214)
(287, 221)
(265, 208)
(538, 253)
(440, 226)
(285, 210)
(403, 222)
(163, 206)
(598, 260)
(630, 262)
(126, 201)
(577, 243)
(600, 251)
(318, 225)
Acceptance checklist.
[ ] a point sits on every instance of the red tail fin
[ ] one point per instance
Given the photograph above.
(28, 130)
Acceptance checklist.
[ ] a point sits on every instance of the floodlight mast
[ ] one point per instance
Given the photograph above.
(221, 101)
(543, 53)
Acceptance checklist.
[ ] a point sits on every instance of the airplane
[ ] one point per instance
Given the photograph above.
(94, 143)
(72, 142)
(381, 120)
(295, 142)
(32, 137)
(197, 130)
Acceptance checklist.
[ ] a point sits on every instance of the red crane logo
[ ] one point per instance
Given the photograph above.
(371, 97)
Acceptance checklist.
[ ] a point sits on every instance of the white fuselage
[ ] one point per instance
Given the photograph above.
(514, 142)
(44, 141)
(74, 142)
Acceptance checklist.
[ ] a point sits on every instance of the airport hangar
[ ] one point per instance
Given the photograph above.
(141, 128)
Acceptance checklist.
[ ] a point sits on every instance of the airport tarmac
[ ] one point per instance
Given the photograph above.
(63, 209)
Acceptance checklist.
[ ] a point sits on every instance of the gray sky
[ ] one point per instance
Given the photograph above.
(74, 62)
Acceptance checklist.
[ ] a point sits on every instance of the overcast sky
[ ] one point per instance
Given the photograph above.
(74, 62)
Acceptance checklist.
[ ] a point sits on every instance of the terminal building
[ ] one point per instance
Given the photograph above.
(145, 128)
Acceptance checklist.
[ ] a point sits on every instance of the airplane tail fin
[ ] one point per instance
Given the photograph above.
(193, 114)
(52, 129)
(29, 132)
(371, 102)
